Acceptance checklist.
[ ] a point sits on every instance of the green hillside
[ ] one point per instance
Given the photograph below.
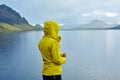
(10, 20)
(5, 26)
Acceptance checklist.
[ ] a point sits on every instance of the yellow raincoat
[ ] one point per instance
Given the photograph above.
(50, 49)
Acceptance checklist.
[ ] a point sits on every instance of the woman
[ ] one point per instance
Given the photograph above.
(50, 51)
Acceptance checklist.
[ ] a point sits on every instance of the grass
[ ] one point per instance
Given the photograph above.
(8, 27)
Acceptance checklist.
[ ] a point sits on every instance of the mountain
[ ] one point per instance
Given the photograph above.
(95, 24)
(116, 27)
(11, 20)
(98, 24)
(10, 16)
(38, 26)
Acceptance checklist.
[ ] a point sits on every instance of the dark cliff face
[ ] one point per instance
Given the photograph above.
(10, 16)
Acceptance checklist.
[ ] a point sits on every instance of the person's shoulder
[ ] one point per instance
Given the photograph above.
(48, 40)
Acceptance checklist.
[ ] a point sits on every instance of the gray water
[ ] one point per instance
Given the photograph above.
(91, 55)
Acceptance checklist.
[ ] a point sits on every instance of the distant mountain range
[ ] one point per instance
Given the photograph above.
(10, 20)
(95, 24)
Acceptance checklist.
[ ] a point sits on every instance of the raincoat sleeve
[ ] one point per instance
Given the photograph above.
(56, 55)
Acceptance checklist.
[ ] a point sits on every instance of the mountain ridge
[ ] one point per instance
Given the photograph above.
(94, 24)
(10, 16)
(11, 20)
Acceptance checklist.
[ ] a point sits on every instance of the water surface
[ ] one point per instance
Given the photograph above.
(91, 55)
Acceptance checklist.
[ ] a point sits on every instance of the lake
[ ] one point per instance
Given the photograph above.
(91, 55)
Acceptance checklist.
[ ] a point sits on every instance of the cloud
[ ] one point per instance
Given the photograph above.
(100, 14)
(111, 14)
(86, 14)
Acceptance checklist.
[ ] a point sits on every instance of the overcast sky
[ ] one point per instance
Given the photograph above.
(66, 11)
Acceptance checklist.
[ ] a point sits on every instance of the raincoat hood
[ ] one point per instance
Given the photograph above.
(51, 29)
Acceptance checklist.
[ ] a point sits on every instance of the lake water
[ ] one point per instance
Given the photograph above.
(91, 55)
